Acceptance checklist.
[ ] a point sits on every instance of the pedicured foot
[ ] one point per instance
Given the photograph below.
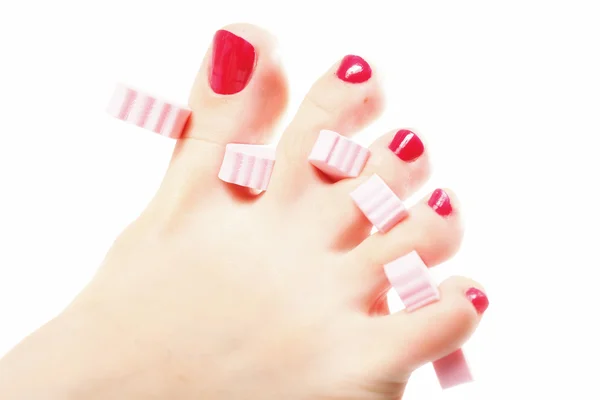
(217, 292)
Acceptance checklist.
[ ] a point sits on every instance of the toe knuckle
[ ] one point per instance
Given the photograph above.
(318, 103)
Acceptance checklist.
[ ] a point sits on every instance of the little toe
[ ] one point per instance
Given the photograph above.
(436, 330)
(344, 100)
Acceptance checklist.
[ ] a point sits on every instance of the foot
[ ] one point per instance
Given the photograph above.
(215, 292)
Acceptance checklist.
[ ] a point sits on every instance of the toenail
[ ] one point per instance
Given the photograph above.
(233, 60)
(247, 165)
(406, 145)
(379, 204)
(354, 69)
(478, 298)
(337, 156)
(440, 202)
(148, 112)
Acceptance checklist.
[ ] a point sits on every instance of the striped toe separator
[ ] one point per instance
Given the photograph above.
(243, 164)
(409, 276)
(337, 156)
(248, 165)
(148, 112)
(379, 204)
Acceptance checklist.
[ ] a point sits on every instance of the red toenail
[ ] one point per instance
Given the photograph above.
(354, 69)
(479, 299)
(440, 202)
(233, 61)
(407, 145)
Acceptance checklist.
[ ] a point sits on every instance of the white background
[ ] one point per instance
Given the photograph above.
(507, 94)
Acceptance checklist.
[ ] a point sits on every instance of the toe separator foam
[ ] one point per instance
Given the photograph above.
(379, 203)
(410, 278)
(248, 165)
(337, 156)
(148, 112)
(453, 370)
(408, 275)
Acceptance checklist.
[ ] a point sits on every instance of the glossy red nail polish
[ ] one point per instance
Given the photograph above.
(354, 69)
(233, 60)
(479, 299)
(440, 202)
(407, 145)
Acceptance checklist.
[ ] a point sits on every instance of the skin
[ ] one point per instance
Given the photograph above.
(216, 293)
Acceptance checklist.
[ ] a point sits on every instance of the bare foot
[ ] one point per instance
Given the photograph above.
(214, 293)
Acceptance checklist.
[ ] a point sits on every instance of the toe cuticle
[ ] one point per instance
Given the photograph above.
(479, 299)
(354, 69)
(440, 202)
(233, 61)
(406, 145)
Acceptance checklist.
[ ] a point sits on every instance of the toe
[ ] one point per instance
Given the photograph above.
(240, 91)
(344, 100)
(400, 159)
(433, 228)
(436, 330)
(238, 96)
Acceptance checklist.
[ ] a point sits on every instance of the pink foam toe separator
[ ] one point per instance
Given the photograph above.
(379, 203)
(248, 165)
(408, 275)
(453, 370)
(410, 278)
(338, 156)
(148, 112)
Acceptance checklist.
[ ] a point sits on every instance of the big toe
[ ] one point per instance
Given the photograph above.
(240, 91)
(238, 96)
